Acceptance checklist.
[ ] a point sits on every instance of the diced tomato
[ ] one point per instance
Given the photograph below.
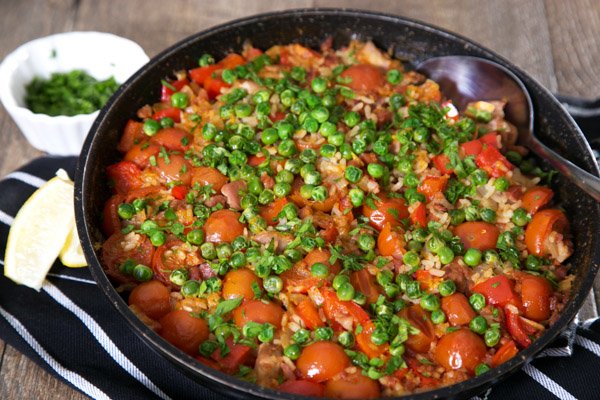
(277, 116)
(329, 234)
(540, 227)
(179, 192)
(142, 192)
(255, 161)
(432, 185)
(166, 92)
(498, 291)
(493, 162)
(336, 309)
(471, 148)
(171, 112)
(504, 353)
(426, 280)
(418, 216)
(514, 326)
(125, 175)
(213, 86)
(309, 314)
(231, 60)
(132, 134)
(536, 198)
(442, 164)
(200, 74)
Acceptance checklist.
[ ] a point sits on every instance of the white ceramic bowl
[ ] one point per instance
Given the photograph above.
(100, 54)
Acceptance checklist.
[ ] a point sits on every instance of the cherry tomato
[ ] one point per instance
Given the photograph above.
(111, 223)
(238, 354)
(166, 91)
(166, 259)
(309, 314)
(209, 176)
(258, 311)
(114, 253)
(352, 386)
(172, 138)
(536, 198)
(152, 298)
(223, 226)
(457, 309)
(176, 168)
(200, 74)
(132, 134)
(432, 185)
(272, 210)
(299, 279)
(390, 210)
(172, 112)
(363, 77)
(418, 216)
(460, 349)
(140, 153)
(325, 205)
(442, 164)
(498, 291)
(426, 281)
(302, 387)
(493, 162)
(419, 318)
(535, 295)
(322, 361)
(366, 283)
(125, 175)
(504, 353)
(142, 192)
(478, 235)
(490, 139)
(364, 341)
(184, 331)
(255, 160)
(540, 227)
(390, 242)
(239, 282)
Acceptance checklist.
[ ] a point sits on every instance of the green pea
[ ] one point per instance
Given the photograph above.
(481, 369)
(346, 339)
(266, 196)
(190, 288)
(282, 189)
(472, 257)
(228, 76)
(411, 258)
(167, 122)
(520, 217)
(273, 284)
(430, 302)
(285, 130)
(488, 215)
(446, 288)
(413, 290)
(311, 125)
(255, 185)
(262, 96)
(472, 213)
(319, 270)
(328, 150)
(477, 301)
(301, 336)
(292, 351)
(318, 85)
(257, 224)
(420, 235)
(205, 60)
(375, 170)
(150, 127)
(158, 238)
(312, 178)
(284, 176)
(457, 216)
(269, 136)
(195, 236)
(478, 325)
(501, 184)
(208, 251)
(492, 337)
(366, 242)
(513, 157)
(340, 280)
(414, 245)
(345, 292)
(327, 129)
(438, 317)
(379, 336)
(287, 148)
(346, 151)
(239, 243)
(397, 350)
(479, 177)
(435, 244)
(490, 257)
(323, 333)
(421, 135)
(139, 205)
(126, 210)
(411, 180)
(293, 255)
(351, 119)
(357, 197)
(141, 273)
(321, 114)
(336, 139)
(238, 259)
(353, 174)
(209, 131)
(179, 276)
(319, 193)
(306, 191)
(394, 76)
(224, 251)
(267, 333)
(179, 100)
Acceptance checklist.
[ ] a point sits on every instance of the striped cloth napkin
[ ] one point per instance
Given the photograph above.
(71, 330)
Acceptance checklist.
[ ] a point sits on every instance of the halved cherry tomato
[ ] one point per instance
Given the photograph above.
(166, 92)
(442, 164)
(184, 331)
(514, 326)
(338, 310)
(111, 223)
(536, 198)
(498, 291)
(366, 283)
(125, 176)
(419, 318)
(152, 298)
(460, 349)
(477, 235)
(258, 311)
(239, 282)
(540, 227)
(504, 353)
(309, 314)
(140, 153)
(325, 205)
(172, 139)
(457, 309)
(352, 386)
(321, 361)
(223, 226)
(432, 185)
(171, 112)
(132, 134)
(114, 254)
(390, 210)
(535, 295)
(363, 77)
(200, 74)
(493, 162)
(270, 211)
(391, 242)
(365, 343)
(302, 387)
(166, 259)
(179, 192)
(418, 216)
(175, 168)
(299, 279)
(209, 176)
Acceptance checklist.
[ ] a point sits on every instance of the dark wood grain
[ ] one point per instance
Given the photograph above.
(553, 40)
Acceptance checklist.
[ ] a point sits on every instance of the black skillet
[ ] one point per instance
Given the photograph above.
(412, 42)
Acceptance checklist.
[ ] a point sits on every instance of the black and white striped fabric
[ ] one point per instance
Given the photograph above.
(73, 332)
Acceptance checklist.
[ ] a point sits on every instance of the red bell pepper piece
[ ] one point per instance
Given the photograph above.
(514, 326)
(442, 163)
(309, 314)
(171, 112)
(493, 162)
(200, 74)
(498, 291)
(166, 92)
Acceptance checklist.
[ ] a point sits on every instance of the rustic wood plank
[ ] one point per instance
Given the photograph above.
(575, 45)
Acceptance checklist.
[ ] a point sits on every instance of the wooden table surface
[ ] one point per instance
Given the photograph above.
(553, 40)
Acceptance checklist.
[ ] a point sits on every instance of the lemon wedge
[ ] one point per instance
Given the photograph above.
(71, 254)
(40, 231)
